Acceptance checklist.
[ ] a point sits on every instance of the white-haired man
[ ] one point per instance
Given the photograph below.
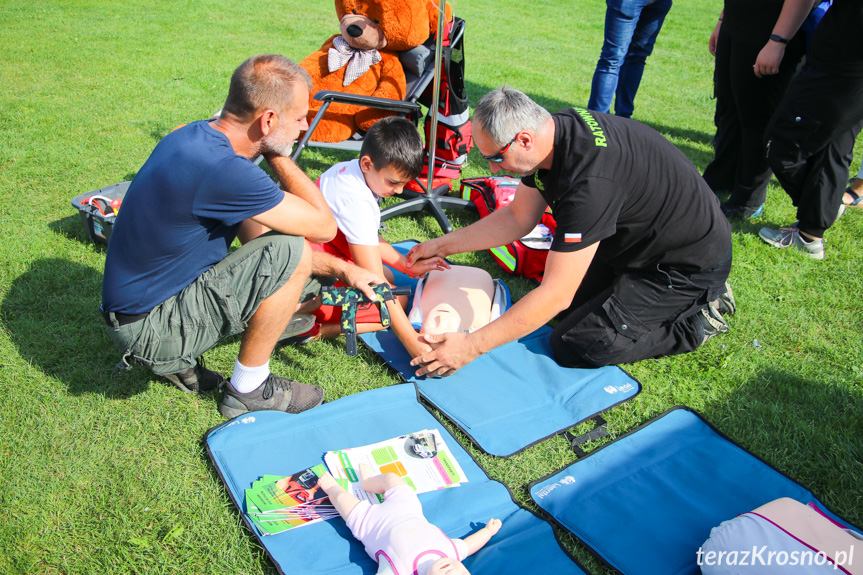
(641, 253)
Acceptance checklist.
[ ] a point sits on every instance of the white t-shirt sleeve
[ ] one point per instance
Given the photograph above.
(359, 221)
(352, 203)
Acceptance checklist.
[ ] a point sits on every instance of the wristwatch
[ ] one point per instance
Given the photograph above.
(778, 38)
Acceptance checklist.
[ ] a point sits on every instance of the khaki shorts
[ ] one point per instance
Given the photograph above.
(217, 305)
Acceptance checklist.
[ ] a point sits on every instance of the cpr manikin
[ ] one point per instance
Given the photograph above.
(459, 299)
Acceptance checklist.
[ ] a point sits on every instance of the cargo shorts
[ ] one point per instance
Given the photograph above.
(217, 305)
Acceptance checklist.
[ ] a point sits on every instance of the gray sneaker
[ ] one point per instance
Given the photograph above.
(300, 323)
(787, 237)
(725, 304)
(712, 322)
(196, 379)
(276, 393)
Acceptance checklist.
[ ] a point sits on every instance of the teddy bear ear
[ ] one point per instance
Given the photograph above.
(434, 10)
(342, 8)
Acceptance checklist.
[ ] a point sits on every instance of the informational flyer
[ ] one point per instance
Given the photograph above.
(276, 504)
(422, 459)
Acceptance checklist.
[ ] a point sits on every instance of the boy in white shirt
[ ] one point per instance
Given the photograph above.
(392, 155)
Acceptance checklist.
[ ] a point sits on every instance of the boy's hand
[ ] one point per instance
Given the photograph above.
(417, 347)
(422, 267)
(424, 251)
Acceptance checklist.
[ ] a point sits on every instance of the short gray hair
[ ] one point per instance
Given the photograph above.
(264, 81)
(504, 112)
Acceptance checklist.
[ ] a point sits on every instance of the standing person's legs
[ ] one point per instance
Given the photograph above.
(621, 18)
(640, 316)
(755, 99)
(643, 39)
(719, 173)
(819, 205)
(810, 144)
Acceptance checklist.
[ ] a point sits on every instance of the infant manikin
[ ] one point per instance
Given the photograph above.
(459, 299)
(396, 534)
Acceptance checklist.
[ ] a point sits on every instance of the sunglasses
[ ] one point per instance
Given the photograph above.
(498, 157)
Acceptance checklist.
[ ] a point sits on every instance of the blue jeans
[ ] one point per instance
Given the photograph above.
(631, 28)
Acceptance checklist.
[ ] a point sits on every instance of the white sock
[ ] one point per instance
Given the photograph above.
(245, 379)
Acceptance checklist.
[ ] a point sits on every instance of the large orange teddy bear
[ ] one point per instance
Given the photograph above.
(363, 60)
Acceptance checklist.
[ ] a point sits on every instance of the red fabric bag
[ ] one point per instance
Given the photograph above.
(526, 256)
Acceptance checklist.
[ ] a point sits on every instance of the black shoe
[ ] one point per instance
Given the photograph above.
(276, 393)
(712, 322)
(735, 212)
(196, 379)
(725, 304)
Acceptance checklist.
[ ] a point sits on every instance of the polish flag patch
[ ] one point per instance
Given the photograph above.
(571, 238)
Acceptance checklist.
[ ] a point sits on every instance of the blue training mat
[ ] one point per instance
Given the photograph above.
(515, 395)
(276, 443)
(647, 502)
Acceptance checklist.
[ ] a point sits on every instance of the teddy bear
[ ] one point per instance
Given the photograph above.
(363, 59)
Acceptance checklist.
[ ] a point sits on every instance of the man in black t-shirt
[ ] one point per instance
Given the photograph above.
(641, 252)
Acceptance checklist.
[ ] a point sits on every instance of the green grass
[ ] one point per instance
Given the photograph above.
(104, 473)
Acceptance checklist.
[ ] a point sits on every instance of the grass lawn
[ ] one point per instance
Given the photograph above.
(104, 473)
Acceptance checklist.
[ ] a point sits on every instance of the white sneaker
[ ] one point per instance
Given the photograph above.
(787, 237)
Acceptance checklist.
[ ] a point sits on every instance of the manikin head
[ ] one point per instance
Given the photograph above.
(456, 300)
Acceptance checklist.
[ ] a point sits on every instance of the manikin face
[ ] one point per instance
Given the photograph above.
(291, 122)
(384, 182)
(442, 318)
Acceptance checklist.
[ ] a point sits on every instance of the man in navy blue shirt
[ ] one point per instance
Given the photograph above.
(172, 290)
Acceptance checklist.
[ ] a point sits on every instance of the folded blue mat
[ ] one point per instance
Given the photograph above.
(647, 502)
(276, 443)
(515, 395)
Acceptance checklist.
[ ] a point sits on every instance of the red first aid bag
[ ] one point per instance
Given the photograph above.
(526, 256)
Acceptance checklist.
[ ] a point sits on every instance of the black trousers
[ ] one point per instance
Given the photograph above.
(635, 316)
(744, 105)
(810, 143)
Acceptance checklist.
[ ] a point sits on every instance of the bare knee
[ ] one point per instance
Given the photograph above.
(304, 267)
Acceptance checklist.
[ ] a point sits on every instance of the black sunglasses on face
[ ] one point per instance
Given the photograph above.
(498, 157)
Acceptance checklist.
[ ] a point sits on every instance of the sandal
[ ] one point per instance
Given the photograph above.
(857, 198)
